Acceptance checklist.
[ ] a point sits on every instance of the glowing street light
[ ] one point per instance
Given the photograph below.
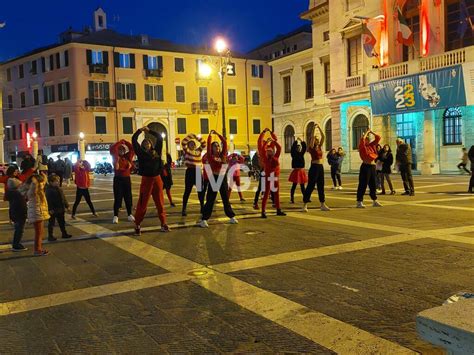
(220, 45)
(81, 135)
(231, 137)
(163, 135)
(205, 70)
(34, 135)
(82, 145)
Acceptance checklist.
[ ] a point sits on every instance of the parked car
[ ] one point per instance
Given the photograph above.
(103, 168)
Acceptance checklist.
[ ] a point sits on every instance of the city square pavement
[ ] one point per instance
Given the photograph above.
(344, 281)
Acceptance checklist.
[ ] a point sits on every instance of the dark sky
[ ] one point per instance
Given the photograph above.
(246, 23)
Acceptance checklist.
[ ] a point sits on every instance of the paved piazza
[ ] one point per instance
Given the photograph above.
(344, 281)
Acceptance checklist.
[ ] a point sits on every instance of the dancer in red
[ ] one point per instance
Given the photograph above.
(269, 151)
(149, 167)
(167, 178)
(234, 161)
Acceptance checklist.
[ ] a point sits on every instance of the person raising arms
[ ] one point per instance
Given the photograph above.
(298, 175)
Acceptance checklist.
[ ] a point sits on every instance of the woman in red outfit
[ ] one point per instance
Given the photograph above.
(149, 167)
(234, 165)
(122, 158)
(216, 158)
(269, 151)
(316, 171)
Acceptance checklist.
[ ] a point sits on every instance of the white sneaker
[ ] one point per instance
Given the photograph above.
(339, 188)
(334, 188)
(324, 207)
(233, 221)
(377, 204)
(115, 220)
(203, 224)
(305, 208)
(131, 218)
(360, 204)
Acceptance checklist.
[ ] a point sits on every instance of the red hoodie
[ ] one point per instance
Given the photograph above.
(368, 152)
(82, 178)
(122, 164)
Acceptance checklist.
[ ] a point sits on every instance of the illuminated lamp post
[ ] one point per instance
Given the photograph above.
(82, 146)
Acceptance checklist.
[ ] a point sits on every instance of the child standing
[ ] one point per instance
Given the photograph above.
(82, 179)
(167, 177)
(37, 210)
(57, 205)
(235, 160)
(17, 204)
(333, 161)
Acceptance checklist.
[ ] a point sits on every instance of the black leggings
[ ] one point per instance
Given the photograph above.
(190, 181)
(367, 176)
(293, 189)
(336, 174)
(463, 166)
(52, 223)
(211, 199)
(316, 179)
(87, 196)
(389, 181)
(122, 191)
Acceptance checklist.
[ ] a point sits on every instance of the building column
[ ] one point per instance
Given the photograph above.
(337, 126)
(172, 136)
(429, 165)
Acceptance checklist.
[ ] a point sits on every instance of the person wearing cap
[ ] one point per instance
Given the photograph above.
(122, 158)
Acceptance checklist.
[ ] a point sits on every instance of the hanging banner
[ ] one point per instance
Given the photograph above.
(430, 90)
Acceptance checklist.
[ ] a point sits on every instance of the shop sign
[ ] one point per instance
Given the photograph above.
(99, 146)
(430, 90)
(63, 148)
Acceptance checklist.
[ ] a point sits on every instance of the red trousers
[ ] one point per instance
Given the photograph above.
(150, 186)
(235, 181)
(276, 194)
(39, 233)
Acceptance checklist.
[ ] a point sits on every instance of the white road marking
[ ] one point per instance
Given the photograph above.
(345, 287)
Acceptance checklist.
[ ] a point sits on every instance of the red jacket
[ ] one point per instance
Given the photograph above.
(368, 152)
(216, 161)
(122, 164)
(270, 165)
(235, 160)
(82, 178)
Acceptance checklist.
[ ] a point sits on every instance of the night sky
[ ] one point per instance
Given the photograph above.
(245, 23)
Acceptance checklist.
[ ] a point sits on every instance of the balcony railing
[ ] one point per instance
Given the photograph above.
(154, 73)
(355, 81)
(443, 60)
(98, 69)
(93, 102)
(393, 71)
(203, 107)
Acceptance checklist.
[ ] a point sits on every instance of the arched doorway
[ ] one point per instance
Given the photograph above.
(360, 125)
(328, 134)
(289, 136)
(160, 129)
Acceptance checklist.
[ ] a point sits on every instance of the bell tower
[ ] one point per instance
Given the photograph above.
(100, 20)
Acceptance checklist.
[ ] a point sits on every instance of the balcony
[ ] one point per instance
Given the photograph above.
(447, 59)
(154, 73)
(356, 81)
(98, 69)
(204, 107)
(106, 103)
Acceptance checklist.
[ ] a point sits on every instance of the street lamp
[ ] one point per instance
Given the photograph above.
(82, 146)
(34, 135)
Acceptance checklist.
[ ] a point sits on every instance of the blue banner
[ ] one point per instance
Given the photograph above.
(430, 90)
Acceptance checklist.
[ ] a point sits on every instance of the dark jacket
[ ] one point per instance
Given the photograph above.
(333, 159)
(297, 158)
(16, 201)
(57, 202)
(404, 154)
(470, 154)
(149, 163)
(387, 160)
(27, 164)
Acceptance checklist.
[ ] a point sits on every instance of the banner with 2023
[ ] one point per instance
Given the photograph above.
(429, 90)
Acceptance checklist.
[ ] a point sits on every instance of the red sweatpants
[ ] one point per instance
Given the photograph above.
(276, 194)
(150, 186)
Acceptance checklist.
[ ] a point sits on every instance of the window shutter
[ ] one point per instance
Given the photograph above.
(52, 94)
(89, 57)
(159, 93)
(66, 58)
(106, 90)
(260, 71)
(58, 61)
(51, 62)
(68, 92)
(45, 95)
(105, 56)
(132, 60)
(60, 94)
(117, 59)
(147, 93)
(91, 89)
(119, 91)
(145, 62)
(43, 64)
(133, 92)
(160, 62)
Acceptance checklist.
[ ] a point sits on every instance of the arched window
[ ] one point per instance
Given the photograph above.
(289, 138)
(309, 130)
(328, 134)
(452, 124)
(360, 124)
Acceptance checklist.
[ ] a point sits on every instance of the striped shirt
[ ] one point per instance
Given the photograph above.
(192, 157)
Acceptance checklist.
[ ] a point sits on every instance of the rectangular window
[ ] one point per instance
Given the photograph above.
(67, 132)
(255, 97)
(7, 134)
(34, 67)
(26, 128)
(203, 96)
(233, 126)
(180, 96)
(65, 58)
(52, 131)
(14, 132)
(232, 96)
(9, 74)
(181, 125)
(22, 99)
(100, 125)
(154, 93)
(256, 126)
(48, 94)
(21, 71)
(204, 126)
(155, 62)
(98, 90)
(51, 62)
(126, 91)
(97, 57)
(354, 56)
(38, 128)
(257, 71)
(35, 97)
(325, 36)
(63, 91)
(287, 89)
(126, 60)
(10, 102)
(309, 84)
(179, 65)
(58, 60)
(127, 125)
(327, 78)
(20, 131)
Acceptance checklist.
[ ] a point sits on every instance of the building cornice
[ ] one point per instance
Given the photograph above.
(307, 53)
(316, 12)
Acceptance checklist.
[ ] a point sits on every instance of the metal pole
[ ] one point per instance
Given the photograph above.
(224, 133)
